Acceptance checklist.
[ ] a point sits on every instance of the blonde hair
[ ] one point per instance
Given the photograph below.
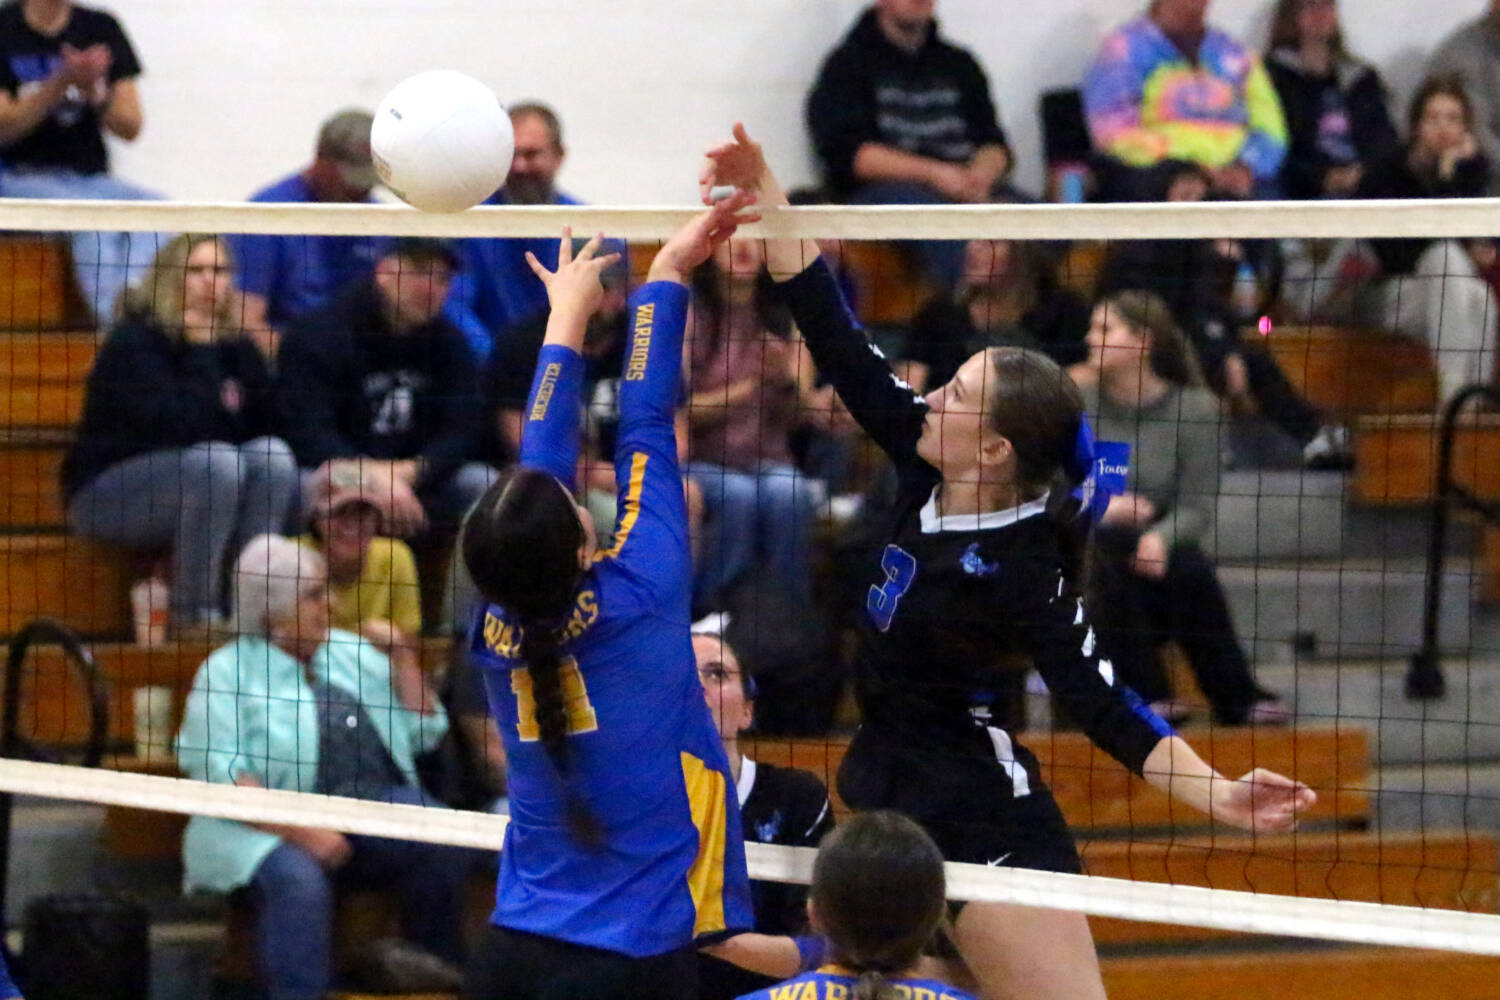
(159, 296)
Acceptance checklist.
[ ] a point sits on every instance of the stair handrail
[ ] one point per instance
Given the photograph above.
(1424, 678)
(76, 655)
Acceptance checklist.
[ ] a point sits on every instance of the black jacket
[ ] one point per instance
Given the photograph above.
(934, 102)
(1305, 98)
(149, 390)
(1393, 177)
(943, 334)
(352, 386)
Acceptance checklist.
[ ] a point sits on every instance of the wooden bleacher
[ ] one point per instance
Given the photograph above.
(1347, 371)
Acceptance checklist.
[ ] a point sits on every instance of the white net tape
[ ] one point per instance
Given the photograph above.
(1223, 909)
(1211, 220)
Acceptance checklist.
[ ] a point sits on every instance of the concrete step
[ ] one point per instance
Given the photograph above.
(54, 848)
(1280, 515)
(1437, 796)
(1462, 726)
(1348, 608)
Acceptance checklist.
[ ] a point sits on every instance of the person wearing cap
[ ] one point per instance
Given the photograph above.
(778, 805)
(67, 75)
(372, 578)
(288, 276)
(380, 374)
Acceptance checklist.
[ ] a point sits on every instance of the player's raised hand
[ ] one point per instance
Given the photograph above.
(695, 242)
(574, 288)
(739, 163)
(1262, 800)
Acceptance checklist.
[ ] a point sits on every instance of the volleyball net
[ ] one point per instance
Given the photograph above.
(1326, 371)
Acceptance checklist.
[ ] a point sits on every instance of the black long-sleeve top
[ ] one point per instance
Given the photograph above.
(1393, 177)
(944, 334)
(351, 385)
(933, 102)
(951, 600)
(150, 390)
(1332, 119)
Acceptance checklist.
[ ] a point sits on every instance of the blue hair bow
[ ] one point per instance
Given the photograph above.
(1099, 468)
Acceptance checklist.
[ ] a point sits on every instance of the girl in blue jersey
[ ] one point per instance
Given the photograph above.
(623, 848)
(877, 900)
(980, 573)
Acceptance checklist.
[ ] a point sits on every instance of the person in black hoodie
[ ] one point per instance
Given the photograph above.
(1335, 105)
(899, 115)
(1433, 288)
(379, 373)
(177, 443)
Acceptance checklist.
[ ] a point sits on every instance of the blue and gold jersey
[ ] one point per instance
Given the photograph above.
(647, 761)
(834, 983)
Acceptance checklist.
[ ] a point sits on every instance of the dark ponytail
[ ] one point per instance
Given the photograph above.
(1036, 406)
(878, 893)
(520, 545)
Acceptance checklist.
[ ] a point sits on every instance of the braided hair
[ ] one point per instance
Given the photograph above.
(520, 545)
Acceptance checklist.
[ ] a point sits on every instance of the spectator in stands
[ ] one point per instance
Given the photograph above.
(178, 443)
(1008, 295)
(380, 374)
(1212, 289)
(1473, 53)
(778, 805)
(67, 74)
(749, 383)
(372, 579)
(285, 277)
(1154, 580)
(498, 288)
(292, 705)
(899, 115)
(1335, 105)
(1168, 86)
(1433, 289)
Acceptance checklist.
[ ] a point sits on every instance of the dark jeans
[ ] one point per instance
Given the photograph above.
(515, 965)
(1279, 401)
(294, 899)
(1135, 615)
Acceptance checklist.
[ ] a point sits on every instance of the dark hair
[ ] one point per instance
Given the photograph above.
(536, 109)
(1438, 85)
(711, 304)
(1284, 33)
(880, 896)
(1171, 355)
(520, 544)
(424, 251)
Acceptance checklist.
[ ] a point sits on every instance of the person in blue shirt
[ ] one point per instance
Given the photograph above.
(285, 277)
(497, 290)
(623, 850)
(878, 899)
(8, 989)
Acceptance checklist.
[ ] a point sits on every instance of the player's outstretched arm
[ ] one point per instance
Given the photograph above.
(1262, 800)
(549, 438)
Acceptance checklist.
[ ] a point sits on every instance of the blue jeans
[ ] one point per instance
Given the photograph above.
(294, 896)
(105, 262)
(755, 520)
(205, 501)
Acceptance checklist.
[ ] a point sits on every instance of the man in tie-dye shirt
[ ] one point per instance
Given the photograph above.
(1167, 86)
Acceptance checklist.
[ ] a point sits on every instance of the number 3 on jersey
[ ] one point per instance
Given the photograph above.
(580, 713)
(900, 570)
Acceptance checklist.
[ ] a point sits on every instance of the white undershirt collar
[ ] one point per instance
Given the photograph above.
(747, 779)
(932, 523)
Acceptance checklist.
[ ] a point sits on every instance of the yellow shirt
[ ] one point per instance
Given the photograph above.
(387, 588)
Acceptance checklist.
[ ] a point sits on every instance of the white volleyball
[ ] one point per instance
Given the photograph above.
(441, 141)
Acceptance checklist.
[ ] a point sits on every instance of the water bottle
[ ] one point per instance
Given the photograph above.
(1071, 183)
(1244, 299)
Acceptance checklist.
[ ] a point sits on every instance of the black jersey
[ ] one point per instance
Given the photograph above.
(786, 806)
(951, 604)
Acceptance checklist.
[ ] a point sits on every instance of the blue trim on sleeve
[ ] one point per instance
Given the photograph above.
(1159, 726)
(549, 438)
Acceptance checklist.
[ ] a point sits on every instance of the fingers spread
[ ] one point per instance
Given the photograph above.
(591, 247)
(565, 247)
(536, 267)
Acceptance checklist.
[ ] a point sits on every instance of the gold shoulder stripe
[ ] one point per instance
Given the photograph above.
(632, 507)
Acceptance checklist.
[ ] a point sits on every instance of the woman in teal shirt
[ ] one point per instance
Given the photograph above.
(294, 705)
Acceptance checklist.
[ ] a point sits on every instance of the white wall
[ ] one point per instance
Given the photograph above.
(234, 89)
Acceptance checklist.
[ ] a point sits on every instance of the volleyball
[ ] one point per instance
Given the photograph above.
(441, 141)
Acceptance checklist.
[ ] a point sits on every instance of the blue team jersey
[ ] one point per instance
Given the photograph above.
(646, 758)
(834, 983)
